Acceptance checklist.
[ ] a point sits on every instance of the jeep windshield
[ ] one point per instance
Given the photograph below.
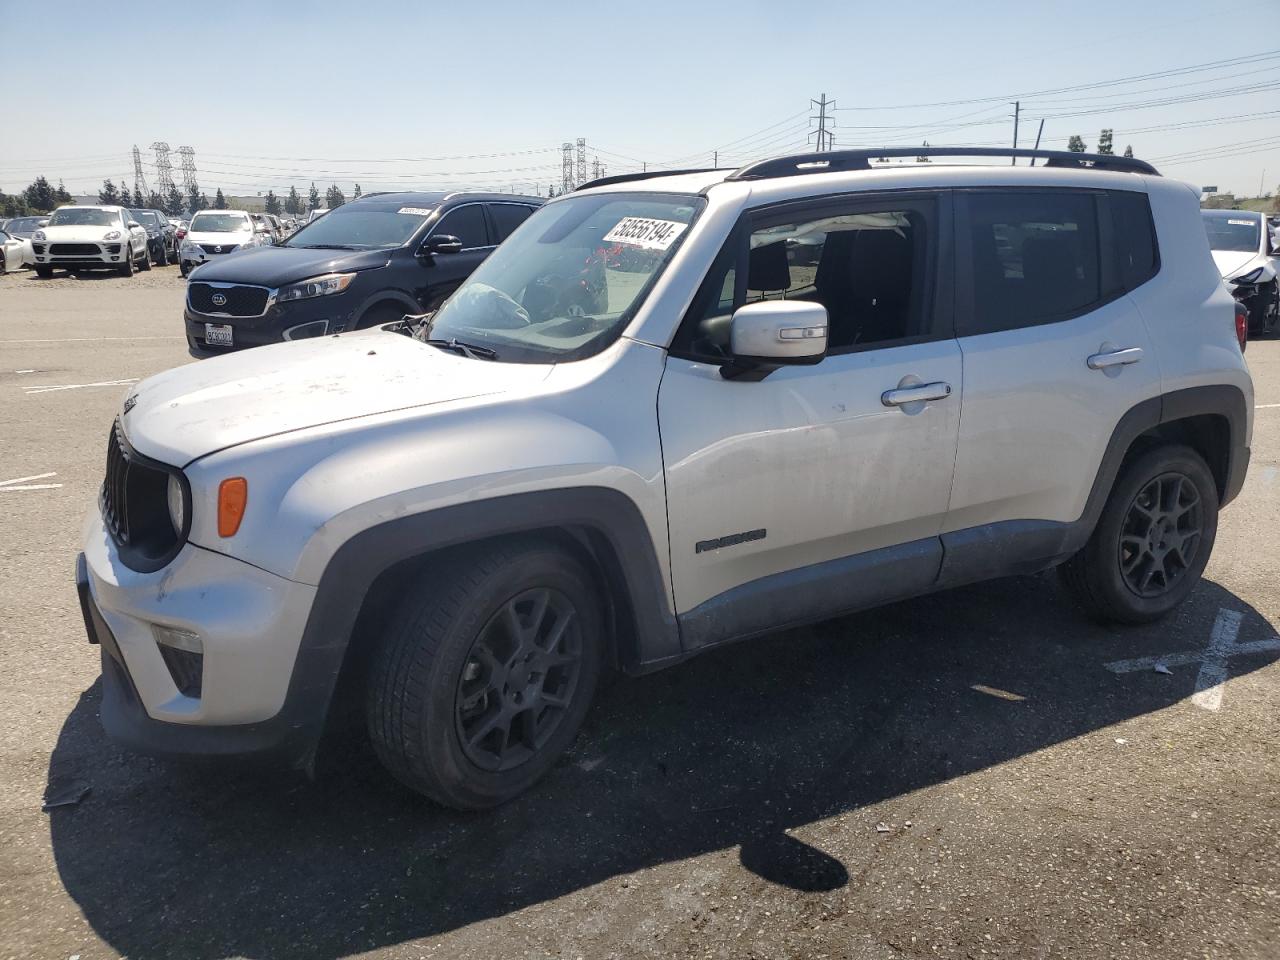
(569, 279)
(84, 217)
(1231, 230)
(219, 223)
(361, 228)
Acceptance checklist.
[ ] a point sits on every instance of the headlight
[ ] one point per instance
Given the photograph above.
(177, 505)
(1253, 276)
(39, 235)
(323, 286)
(111, 235)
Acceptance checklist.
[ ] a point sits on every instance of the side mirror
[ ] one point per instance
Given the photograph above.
(442, 243)
(772, 333)
(133, 223)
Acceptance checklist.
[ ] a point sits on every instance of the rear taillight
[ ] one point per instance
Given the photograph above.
(1242, 324)
(181, 234)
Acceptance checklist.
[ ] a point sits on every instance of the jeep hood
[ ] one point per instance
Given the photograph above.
(194, 410)
(1230, 262)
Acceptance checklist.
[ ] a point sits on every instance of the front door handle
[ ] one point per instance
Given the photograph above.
(1114, 358)
(916, 394)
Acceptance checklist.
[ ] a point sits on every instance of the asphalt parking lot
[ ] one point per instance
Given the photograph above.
(959, 776)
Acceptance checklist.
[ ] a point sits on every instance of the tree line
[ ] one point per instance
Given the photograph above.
(41, 197)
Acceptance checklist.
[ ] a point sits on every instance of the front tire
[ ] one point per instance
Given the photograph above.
(1152, 540)
(126, 268)
(44, 273)
(483, 680)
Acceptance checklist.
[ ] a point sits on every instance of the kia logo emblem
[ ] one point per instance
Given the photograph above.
(219, 300)
(217, 249)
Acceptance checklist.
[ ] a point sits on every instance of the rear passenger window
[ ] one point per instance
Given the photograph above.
(1035, 258)
(1135, 238)
(508, 216)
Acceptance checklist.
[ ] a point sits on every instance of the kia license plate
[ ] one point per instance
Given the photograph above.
(219, 335)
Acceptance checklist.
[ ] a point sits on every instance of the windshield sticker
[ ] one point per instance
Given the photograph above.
(416, 211)
(645, 233)
(1241, 223)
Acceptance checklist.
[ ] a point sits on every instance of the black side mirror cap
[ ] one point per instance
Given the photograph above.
(442, 243)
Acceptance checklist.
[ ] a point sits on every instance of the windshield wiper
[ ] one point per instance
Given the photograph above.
(324, 246)
(469, 350)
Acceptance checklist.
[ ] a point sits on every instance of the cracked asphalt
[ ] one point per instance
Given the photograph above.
(958, 776)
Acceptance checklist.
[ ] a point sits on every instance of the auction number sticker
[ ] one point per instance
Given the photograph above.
(416, 211)
(646, 233)
(1243, 223)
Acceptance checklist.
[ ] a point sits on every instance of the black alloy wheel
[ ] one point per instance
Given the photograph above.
(519, 679)
(1160, 535)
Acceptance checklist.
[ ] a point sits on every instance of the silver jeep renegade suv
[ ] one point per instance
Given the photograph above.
(671, 411)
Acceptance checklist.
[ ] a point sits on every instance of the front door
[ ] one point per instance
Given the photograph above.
(817, 488)
(442, 273)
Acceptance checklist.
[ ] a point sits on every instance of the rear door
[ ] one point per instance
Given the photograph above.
(1055, 353)
(505, 217)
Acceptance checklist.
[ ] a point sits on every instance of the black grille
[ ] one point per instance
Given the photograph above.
(135, 507)
(239, 301)
(218, 247)
(77, 249)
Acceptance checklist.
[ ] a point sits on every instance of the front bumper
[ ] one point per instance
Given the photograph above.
(104, 254)
(255, 695)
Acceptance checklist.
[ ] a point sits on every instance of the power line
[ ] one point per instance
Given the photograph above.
(1028, 95)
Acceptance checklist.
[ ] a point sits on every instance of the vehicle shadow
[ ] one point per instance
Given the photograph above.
(729, 750)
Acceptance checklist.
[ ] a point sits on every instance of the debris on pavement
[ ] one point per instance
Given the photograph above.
(67, 794)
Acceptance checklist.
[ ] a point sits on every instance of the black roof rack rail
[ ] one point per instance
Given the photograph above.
(628, 177)
(835, 161)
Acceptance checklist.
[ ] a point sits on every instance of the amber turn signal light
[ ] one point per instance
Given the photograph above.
(233, 494)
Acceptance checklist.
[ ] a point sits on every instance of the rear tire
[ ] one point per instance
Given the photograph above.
(1152, 541)
(163, 259)
(145, 262)
(183, 268)
(483, 680)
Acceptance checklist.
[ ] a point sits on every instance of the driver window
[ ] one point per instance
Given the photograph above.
(866, 268)
(467, 224)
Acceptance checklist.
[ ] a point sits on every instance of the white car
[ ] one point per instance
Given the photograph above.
(316, 214)
(91, 237)
(1247, 256)
(215, 233)
(459, 521)
(15, 253)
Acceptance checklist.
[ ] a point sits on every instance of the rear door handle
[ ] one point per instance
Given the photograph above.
(1114, 358)
(925, 391)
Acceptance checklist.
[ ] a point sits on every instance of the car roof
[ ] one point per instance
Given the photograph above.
(432, 198)
(90, 206)
(243, 213)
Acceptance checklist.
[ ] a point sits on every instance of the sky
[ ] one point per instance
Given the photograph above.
(452, 95)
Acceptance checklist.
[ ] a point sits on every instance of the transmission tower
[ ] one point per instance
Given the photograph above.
(825, 138)
(582, 161)
(566, 168)
(598, 169)
(164, 169)
(139, 180)
(188, 160)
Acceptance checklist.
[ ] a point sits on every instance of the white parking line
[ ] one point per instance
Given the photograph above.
(50, 388)
(91, 339)
(1213, 659)
(1266, 406)
(20, 483)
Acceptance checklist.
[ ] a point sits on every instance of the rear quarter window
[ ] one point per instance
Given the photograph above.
(1137, 252)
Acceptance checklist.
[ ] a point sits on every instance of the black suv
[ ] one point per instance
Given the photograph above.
(161, 236)
(369, 261)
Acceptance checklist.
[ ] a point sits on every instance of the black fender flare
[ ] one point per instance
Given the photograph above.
(611, 521)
